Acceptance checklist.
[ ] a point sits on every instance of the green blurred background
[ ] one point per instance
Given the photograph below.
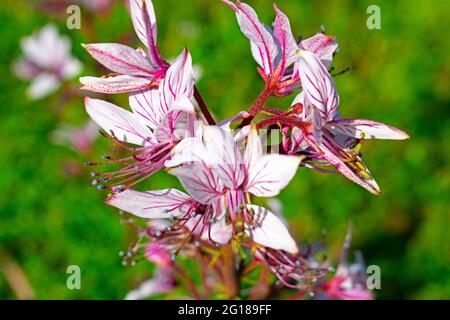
(51, 217)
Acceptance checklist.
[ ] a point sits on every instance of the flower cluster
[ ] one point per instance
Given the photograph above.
(223, 167)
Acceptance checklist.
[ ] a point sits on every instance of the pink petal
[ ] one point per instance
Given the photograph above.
(366, 129)
(121, 59)
(264, 48)
(123, 124)
(322, 46)
(270, 174)
(269, 231)
(157, 204)
(115, 84)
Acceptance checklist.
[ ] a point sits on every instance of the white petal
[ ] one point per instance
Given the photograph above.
(157, 204)
(123, 124)
(115, 84)
(322, 46)
(121, 59)
(268, 230)
(253, 149)
(147, 106)
(186, 151)
(271, 174)
(43, 85)
(224, 155)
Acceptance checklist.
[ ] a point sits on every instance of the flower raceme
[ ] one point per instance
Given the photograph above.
(222, 171)
(132, 69)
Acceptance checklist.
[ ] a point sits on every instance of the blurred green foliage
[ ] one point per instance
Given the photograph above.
(400, 75)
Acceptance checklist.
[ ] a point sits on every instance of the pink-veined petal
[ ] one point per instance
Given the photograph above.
(269, 231)
(285, 38)
(253, 149)
(318, 86)
(123, 124)
(43, 85)
(115, 84)
(202, 183)
(322, 46)
(366, 129)
(354, 170)
(178, 82)
(272, 172)
(219, 232)
(121, 59)
(155, 204)
(188, 150)
(264, 48)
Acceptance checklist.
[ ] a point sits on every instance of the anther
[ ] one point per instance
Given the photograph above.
(158, 233)
(100, 187)
(173, 257)
(94, 182)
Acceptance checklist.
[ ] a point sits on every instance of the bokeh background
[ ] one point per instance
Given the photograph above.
(51, 217)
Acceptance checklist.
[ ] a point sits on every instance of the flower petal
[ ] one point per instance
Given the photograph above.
(318, 86)
(264, 48)
(146, 105)
(115, 84)
(144, 22)
(273, 172)
(322, 46)
(285, 38)
(121, 59)
(268, 230)
(43, 85)
(171, 127)
(114, 120)
(224, 155)
(253, 149)
(178, 82)
(366, 129)
(187, 151)
(156, 204)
